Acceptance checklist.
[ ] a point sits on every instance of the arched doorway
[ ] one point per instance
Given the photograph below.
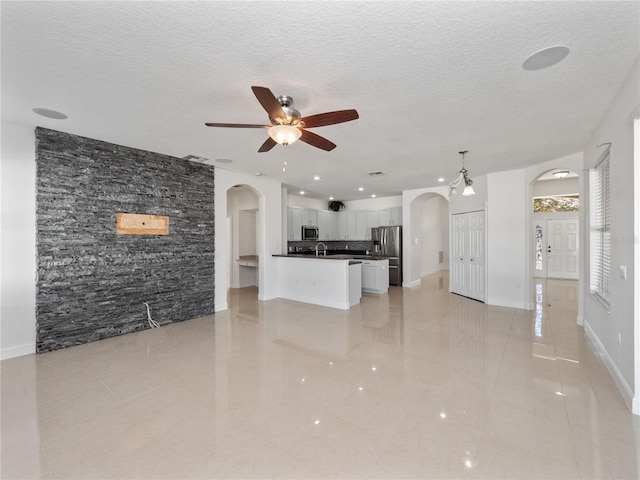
(554, 211)
(427, 237)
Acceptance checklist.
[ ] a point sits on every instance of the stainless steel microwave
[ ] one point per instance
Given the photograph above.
(310, 232)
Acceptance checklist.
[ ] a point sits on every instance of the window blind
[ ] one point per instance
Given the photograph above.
(601, 231)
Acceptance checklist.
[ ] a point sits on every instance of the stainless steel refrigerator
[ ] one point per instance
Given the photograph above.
(387, 241)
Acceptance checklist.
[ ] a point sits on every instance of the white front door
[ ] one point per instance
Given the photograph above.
(556, 248)
(467, 270)
(562, 248)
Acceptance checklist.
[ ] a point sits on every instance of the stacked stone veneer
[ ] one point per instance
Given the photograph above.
(91, 281)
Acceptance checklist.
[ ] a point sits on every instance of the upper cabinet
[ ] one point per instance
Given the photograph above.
(310, 216)
(390, 216)
(327, 225)
(343, 225)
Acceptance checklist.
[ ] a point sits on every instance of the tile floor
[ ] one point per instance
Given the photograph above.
(416, 384)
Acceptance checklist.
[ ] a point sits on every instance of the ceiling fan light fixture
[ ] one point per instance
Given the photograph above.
(284, 134)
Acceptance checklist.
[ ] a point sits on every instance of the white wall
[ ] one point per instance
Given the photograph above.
(18, 241)
(363, 204)
(616, 127)
(306, 202)
(562, 186)
(374, 203)
(269, 240)
(507, 231)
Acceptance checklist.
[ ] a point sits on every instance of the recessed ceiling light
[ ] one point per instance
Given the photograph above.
(330, 198)
(224, 160)
(301, 192)
(259, 174)
(441, 179)
(545, 57)
(360, 189)
(373, 195)
(561, 174)
(316, 177)
(45, 112)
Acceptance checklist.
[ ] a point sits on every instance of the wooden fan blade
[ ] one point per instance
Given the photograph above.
(268, 144)
(269, 102)
(236, 125)
(316, 140)
(329, 118)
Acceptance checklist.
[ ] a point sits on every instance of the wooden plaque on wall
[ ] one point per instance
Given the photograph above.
(135, 224)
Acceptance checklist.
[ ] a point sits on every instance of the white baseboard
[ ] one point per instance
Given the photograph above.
(635, 408)
(415, 283)
(220, 306)
(20, 351)
(623, 386)
(431, 272)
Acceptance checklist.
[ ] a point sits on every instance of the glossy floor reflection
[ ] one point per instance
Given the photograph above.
(416, 384)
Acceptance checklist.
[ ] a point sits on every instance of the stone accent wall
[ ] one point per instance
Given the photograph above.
(91, 281)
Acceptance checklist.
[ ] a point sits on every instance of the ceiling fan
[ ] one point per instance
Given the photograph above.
(286, 124)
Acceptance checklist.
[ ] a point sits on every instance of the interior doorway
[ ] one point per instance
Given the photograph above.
(555, 207)
(243, 213)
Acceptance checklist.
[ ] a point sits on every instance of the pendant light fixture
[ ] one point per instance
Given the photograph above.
(462, 185)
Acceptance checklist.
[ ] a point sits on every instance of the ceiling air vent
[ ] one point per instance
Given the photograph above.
(376, 174)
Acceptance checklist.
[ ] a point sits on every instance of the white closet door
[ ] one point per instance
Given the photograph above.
(458, 254)
(476, 266)
(467, 269)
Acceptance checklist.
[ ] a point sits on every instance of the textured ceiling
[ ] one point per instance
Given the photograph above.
(428, 79)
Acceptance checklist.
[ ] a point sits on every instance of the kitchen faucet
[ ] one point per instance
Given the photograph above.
(324, 251)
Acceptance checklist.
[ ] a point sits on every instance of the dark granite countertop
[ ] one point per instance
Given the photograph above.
(336, 256)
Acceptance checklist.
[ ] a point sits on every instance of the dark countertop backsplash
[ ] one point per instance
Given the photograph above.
(353, 247)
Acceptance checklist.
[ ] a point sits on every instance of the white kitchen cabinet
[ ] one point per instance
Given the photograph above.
(361, 225)
(328, 225)
(384, 217)
(396, 216)
(390, 216)
(309, 216)
(372, 222)
(352, 225)
(294, 225)
(343, 226)
(375, 276)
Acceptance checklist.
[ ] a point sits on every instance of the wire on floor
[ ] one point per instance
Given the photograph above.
(152, 322)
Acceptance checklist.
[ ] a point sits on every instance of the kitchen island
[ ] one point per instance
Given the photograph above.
(331, 281)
